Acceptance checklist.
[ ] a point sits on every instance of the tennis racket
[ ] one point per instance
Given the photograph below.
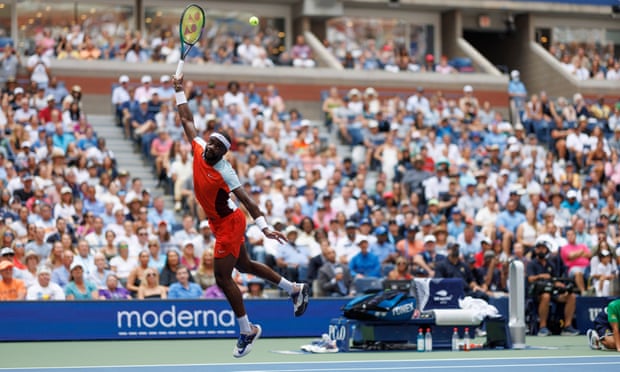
(190, 30)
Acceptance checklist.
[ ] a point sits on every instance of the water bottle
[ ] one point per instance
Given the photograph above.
(466, 340)
(420, 346)
(428, 340)
(455, 340)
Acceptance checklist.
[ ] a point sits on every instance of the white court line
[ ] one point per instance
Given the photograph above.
(396, 361)
(438, 367)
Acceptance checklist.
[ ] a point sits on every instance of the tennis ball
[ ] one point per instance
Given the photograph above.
(254, 20)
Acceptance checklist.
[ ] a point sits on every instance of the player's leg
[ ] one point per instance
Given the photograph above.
(223, 267)
(299, 292)
(608, 341)
(247, 265)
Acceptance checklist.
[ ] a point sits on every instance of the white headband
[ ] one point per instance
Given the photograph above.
(222, 139)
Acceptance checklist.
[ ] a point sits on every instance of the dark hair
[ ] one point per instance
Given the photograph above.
(181, 267)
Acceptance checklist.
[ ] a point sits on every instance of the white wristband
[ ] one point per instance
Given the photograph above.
(261, 223)
(180, 98)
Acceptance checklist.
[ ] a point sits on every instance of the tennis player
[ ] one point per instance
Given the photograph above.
(606, 335)
(214, 180)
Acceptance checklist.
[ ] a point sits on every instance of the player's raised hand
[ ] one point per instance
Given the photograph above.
(177, 82)
(273, 234)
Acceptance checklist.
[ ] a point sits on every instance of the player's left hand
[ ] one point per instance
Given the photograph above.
(273, 234)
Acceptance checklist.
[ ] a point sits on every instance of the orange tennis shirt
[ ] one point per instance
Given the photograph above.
(212, 186)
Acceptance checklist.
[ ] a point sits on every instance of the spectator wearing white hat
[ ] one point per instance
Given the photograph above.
(371, 97)
(121, 99)
(205, 239)
(291, 258)
(603, 273)
(145, 91)
(469, 103)
(166, 90)
(517, 92)
(355, 104)
(78, 287)
(428, 258)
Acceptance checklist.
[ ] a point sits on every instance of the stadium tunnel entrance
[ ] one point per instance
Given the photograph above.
(495, 46)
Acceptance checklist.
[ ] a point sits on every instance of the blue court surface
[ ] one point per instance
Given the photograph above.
(603, 362)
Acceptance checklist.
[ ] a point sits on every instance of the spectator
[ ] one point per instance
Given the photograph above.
(11, 288)
(301, 53)
(31, 260)
(188, 258)
(122, 264)
(168, 272)
(78, 287)
(85, 258)
(149, 286)
(364, 264)
(603, 274)
(256, 287)
(180, 171)
(113, 290)
(382, 247)
(292, 258)
(334, 279)
(443, 67)
(576, 257)
(517, 92)
(183, 288)
(454, 267)
(205, 276)
(61, 274)
(400, 271)
(100, 275)
(540, 272)
(507, 223)
(38, 66)
(490, 278)
(10, 62)
(122, 100)
(528, 231)
(43, 289)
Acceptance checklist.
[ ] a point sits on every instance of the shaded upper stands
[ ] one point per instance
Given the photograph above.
(259, 49)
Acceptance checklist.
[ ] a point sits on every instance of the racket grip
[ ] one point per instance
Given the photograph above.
(179, 69)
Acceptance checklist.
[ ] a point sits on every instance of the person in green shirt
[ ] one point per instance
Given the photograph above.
(606, 335)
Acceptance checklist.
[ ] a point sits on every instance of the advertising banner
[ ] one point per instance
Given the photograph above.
(107, 320)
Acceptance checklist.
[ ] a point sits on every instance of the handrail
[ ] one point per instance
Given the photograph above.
(477, 58)
(321, 52)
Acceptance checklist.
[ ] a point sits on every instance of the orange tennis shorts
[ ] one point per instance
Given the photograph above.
(229, 234)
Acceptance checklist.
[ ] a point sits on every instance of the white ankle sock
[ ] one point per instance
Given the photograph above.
(244, 325)
(286, 285)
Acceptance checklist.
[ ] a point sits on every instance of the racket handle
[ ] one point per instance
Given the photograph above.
(179, 68)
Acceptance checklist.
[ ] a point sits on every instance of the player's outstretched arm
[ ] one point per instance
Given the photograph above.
(257, 215)
(187, 118)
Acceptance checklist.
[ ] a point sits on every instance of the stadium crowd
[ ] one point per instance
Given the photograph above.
(586, 61)
(263, 48)
(392, 57)
(431, 186)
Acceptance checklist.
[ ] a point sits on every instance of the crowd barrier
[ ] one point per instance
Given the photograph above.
(167, 319)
